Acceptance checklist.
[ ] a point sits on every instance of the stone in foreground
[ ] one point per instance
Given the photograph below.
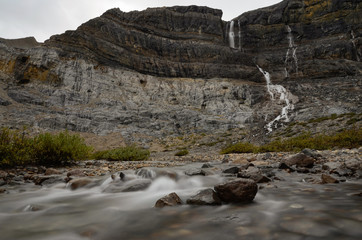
(204, 197)
(169, 200)
(237, 191)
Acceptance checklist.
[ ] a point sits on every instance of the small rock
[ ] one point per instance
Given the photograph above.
(331, 165)
(206, 165)
(51, 171)
(237, 191)
(3, 174)
(195, 172)
(2, 190)
(80, 182)
(286, 167)
(328, 179)
(300, 160)
(204, 197)
(169, 200)
(76, 173)
(232, 170)
(311, 153)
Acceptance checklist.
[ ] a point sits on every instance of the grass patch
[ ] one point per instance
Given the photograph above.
(183, 152)
(19, 149)
(351, 138)
(128, 153)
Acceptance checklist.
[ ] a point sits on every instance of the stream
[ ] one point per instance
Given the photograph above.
(289, 209)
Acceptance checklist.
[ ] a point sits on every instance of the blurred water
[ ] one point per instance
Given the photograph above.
(293, 210)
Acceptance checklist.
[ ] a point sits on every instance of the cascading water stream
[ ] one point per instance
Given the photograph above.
(291, 59)
(275, 90)
(231, 35)
(354, 45)
(239, 35)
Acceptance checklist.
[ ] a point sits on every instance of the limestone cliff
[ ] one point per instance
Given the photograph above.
(177, 70)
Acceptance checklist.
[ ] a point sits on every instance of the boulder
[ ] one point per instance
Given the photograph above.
(300, 160)
(328, 179)
(195, 172)
(232, 170)
(136, 185)
(169, 200)
(237, 191)
(204, 197)
(80, 182)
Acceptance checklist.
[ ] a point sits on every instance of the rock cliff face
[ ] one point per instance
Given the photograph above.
(181, 70)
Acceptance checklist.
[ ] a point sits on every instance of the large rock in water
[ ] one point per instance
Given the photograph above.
(169, 200)
(237, 191)
(204, 197)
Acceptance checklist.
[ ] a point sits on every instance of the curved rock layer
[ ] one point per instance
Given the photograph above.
(180, 70)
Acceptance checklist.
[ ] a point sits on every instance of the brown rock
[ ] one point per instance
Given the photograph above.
(204, 197)
(169, 200)
(328, 179)
(51, 171)
(237, 191)
(301, 160)
(78, 183)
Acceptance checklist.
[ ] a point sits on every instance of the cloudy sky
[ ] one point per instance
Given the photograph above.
(43, 18)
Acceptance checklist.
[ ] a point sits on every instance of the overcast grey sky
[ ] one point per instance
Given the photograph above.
(43, 18)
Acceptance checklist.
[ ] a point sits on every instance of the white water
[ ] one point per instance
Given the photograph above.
(291, 55)
(277, 90)
(231, 35)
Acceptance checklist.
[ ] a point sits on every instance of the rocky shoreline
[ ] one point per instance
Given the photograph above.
(329, 166)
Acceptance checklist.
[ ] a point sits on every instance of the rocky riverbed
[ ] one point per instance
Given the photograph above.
(309, 195)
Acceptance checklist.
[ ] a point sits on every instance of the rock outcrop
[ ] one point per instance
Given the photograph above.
(178, 70)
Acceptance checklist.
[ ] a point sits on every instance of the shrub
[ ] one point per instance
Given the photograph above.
(128, 153)
(17, 148)
(60, 149)
(351, 138)
(182, 152)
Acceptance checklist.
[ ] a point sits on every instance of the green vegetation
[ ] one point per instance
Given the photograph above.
(17, 148)
(128, 153)
(351, 138)
(182, 152)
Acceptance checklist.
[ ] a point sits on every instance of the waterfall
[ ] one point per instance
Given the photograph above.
(277, 90)
(231, 35)
(291, 55)
(239, 35)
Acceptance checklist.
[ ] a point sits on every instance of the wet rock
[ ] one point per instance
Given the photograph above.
(300, 160)
(146, 173)
(204, 197)
(53, 180)
(51, 171)
(328, 179)
(3, 174)
(195, 172)
(254, 174)
(79, 183)
(169, 200)
(38, 180)
(343, 172)
(136, 185)
(76, 173)
(206, 165)
(2, 190)
(232, 170)
(237, 191)
(284, 166)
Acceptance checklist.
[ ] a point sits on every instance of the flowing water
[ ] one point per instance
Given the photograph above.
(290, 209)
(277, 90)
(291, 59)
(231, 35)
